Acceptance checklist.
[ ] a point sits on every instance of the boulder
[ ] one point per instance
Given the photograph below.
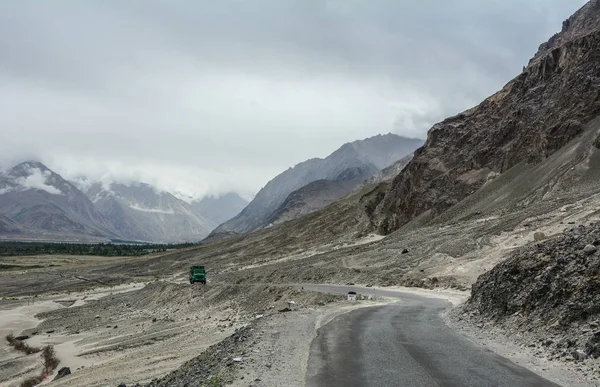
(62, 373)
(579, 355)
(589, 249)
(21, 338)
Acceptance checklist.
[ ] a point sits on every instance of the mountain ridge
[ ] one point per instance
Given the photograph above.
(220, 208)
(139, 211)
(39, 199)
(371, 154)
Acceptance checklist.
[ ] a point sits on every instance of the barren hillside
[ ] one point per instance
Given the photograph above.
(533, 116)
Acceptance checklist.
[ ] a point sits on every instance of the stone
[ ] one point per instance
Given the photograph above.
(589, 249)
(539, 236)
(62, 373)
(579, 355)
(21, 338)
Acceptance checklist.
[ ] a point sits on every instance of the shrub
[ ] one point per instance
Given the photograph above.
(19, 345)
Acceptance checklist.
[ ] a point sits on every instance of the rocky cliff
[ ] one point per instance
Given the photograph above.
(548, 292)
(534, 115)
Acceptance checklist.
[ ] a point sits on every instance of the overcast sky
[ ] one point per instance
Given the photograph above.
(210, 96)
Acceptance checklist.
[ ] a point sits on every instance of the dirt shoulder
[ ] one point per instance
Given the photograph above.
(520, 350)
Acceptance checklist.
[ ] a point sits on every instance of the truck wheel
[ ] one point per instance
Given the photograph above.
(191, 281)
(203, 282)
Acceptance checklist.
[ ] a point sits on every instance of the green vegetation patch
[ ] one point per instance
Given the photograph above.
(17, 249)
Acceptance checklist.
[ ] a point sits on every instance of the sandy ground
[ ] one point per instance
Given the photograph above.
(136, 332)
(18, 315)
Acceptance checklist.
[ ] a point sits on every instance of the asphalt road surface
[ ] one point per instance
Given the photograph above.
(404, 344)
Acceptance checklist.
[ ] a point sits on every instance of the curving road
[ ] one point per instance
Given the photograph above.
(405, 344)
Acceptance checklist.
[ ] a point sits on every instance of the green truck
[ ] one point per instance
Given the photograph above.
(197, 274)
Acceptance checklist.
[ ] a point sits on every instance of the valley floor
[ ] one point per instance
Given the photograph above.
(240, 334)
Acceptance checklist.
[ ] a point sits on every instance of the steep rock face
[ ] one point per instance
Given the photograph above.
(140, 212)
(218, 209)
(39, 199)
(531, 117)
(579, 24)
(370, 155)
(318, 194)
(549, 290)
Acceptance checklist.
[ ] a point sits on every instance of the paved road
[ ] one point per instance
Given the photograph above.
(405, 344)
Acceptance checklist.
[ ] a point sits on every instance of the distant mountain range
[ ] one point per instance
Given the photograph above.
(46, 206)
(220, 208)
(38, 204)
(331, 177)
(141, 212)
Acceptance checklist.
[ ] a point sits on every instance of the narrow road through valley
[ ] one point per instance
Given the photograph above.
(405, 344)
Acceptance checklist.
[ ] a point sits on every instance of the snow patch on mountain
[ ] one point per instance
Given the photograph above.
(153, 210)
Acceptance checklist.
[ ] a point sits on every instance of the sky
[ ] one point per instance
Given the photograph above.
(205, 97)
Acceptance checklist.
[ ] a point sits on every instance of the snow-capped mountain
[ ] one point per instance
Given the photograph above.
(41, 202)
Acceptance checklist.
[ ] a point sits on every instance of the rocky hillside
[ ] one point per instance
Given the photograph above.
(9, 226)
(388, 173)
(142, 213)
(534, 115)
(547, 292)
(372, 155)
(43, 204)
(219, 209)
(317, 195)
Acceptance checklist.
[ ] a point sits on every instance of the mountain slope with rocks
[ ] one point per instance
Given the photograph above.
(9, 226)
(534, 115)
(371, 155)
(142, 213)
(219, 209)
(44, 204)
(547, 293)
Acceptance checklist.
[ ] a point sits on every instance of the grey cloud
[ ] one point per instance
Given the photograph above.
(207, 96)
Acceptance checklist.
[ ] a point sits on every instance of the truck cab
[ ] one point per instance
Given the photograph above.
(197, 274)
